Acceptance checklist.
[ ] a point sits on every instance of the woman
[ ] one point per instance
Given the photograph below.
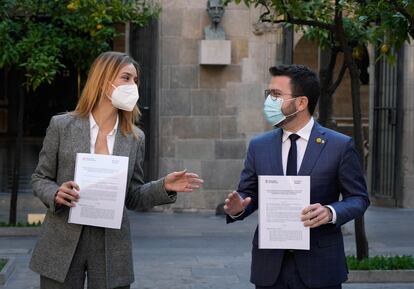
(102, 123)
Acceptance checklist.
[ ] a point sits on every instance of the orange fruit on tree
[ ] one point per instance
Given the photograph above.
(357, 53)
(385, 48)
(72, 6)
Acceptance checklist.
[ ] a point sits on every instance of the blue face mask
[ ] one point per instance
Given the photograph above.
(273, 110)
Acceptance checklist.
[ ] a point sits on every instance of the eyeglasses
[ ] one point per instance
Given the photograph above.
(276, 94)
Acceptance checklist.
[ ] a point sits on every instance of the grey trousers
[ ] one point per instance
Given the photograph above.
(88, 263)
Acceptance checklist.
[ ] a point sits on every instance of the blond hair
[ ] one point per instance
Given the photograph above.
(102, 73)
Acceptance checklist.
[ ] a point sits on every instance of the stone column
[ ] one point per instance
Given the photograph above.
(407, 138)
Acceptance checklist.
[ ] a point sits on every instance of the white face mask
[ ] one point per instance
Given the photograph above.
(125, 97)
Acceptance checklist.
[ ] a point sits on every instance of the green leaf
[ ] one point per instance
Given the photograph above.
(37, 37)
(403, 262)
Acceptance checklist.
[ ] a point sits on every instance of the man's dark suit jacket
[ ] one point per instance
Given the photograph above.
(332, 163)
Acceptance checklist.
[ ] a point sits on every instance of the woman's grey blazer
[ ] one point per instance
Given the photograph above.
(67, 135)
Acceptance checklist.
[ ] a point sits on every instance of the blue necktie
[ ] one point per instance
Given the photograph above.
(292, 163)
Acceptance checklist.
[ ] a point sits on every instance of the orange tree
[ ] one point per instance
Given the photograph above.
(37, 38)
(345, 27)
(403, 9)
(394, 24)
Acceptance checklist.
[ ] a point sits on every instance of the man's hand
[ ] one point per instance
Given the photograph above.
(234, 204)
(67, 193)
(316, 215)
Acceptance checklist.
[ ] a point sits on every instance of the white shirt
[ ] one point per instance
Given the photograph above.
(110, 138)
(301, 144)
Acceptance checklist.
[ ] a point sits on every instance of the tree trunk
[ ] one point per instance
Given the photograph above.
(360, 236)
(327, 63)
(17, 156)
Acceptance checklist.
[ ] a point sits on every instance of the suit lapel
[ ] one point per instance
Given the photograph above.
(82, 140)
(122, 145)
(316, 143)
(275, 152)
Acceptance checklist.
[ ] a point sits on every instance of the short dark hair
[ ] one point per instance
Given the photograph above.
(303, 82)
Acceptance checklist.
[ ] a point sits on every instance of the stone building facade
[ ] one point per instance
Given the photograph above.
(207, 114)
(391, 106)
(203, 117)
(405, 159)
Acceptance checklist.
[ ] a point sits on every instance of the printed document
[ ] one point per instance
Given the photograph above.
(102, 180)
(281, 201)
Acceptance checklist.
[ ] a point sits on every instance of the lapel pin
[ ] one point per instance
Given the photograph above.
(320, 141)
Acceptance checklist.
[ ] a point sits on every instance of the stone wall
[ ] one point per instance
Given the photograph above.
(208, 114)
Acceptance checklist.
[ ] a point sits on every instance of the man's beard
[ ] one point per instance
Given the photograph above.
(291, 115)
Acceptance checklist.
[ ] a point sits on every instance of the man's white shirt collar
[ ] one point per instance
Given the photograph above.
(304, 132)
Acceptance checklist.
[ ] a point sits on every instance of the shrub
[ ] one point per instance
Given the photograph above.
(381, 263)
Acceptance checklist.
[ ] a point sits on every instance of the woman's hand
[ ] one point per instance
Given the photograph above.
(182, 181)
(67, 193)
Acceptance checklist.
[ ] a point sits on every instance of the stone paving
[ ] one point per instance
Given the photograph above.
(198, 251)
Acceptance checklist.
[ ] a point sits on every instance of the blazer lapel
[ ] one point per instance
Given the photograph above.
(316, 143)
(122, 145)
(82, 141)
(275, 153)
(82, 131)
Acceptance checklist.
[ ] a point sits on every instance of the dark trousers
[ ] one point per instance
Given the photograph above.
(88, 263)
(289, 276)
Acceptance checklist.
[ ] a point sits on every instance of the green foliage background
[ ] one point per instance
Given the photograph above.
(384, 23)
(40, 36)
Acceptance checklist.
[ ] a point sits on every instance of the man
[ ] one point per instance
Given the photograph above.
(301, 146)
(215, 10)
